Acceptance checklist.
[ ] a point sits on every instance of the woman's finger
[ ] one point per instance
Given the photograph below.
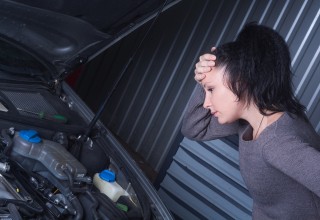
(205, 63)
(207, 57)
(199, 77)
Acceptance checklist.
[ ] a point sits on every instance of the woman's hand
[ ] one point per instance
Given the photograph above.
(206, 62)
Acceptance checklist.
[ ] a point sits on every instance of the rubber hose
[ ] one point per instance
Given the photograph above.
(14, 213)
(94, 206)
(77, 206)
(8, 141)
(21, 203)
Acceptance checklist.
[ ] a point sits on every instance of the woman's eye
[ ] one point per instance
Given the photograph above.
(210, 90)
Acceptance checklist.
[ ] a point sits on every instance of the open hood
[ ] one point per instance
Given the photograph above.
(60, 35)
(54, 149)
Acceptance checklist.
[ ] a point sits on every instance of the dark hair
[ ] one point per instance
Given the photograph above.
(258, 69)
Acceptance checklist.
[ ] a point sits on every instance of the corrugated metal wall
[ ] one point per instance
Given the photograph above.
(204, 182)
(147, 106)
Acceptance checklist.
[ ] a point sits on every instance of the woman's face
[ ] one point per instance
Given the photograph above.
(219, 99)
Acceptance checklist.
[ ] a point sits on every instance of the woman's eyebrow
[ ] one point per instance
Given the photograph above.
(204, 85)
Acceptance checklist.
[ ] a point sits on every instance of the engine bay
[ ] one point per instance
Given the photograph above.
(50, 170)
(40, 179)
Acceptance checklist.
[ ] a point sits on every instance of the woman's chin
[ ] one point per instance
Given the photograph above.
(223, 121)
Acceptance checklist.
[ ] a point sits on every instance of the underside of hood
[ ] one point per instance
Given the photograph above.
(109, 16)
(64, 34)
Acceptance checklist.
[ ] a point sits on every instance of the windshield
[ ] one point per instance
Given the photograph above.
(17, 62)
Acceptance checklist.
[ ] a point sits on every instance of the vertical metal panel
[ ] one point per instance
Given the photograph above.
(205, 178)
(146, 108)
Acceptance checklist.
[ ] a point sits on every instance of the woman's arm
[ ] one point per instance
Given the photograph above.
(297, 159)
(199, 124)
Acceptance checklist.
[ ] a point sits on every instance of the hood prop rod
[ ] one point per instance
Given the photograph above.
(115, 85)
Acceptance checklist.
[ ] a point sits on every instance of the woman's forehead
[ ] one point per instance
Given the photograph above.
(216, 75)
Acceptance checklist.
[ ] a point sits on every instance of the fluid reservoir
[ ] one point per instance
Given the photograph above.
(30, 151)
(106, 183)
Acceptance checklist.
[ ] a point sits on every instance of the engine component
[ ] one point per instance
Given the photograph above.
(7, 191)
(105, 182)
(4, 167)
(54, 157)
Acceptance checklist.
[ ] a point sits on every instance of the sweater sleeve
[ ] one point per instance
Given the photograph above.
(296, 159)
(199, 124)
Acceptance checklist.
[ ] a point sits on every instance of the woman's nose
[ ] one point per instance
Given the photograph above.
(206, 103)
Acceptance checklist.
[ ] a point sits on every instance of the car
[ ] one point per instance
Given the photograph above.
(58, 161)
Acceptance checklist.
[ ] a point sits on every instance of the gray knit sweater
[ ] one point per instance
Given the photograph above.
(281, 168)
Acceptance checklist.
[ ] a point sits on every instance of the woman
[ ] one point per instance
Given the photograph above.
(245, 89)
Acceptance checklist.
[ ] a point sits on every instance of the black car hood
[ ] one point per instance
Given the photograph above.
(64, 34)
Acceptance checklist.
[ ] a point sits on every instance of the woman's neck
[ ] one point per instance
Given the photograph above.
(259, 121)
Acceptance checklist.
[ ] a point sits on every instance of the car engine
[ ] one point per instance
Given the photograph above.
(41, 179)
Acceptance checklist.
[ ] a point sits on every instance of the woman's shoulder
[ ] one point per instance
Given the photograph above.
(289, 124)
(290, 131)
